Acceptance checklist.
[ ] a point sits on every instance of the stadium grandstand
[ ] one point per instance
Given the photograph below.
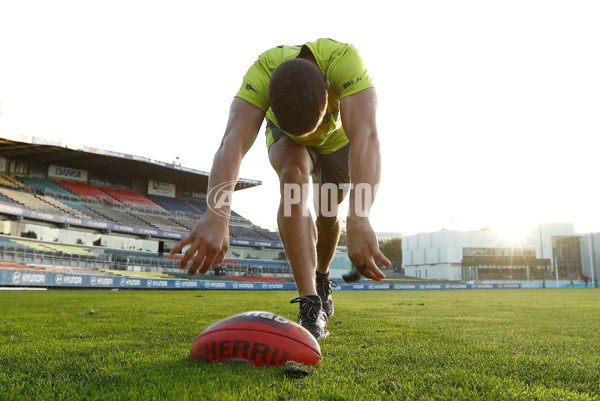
(107, 214)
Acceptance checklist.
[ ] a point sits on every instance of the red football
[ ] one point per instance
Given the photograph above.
(256, 338)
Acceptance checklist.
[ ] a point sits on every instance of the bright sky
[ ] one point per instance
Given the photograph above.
(489, 112)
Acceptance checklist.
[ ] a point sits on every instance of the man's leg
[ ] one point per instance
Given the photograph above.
(328, 235)
(328, 229)
(332, 172)
(297, 230)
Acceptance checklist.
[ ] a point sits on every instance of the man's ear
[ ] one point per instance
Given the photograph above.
(327, 84)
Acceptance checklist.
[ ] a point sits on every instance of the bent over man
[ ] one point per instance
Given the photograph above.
(320, 109)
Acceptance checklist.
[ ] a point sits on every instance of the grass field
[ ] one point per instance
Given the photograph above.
(384, 345)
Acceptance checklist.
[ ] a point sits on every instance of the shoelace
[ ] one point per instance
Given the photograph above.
(312, 309)
(326, 285)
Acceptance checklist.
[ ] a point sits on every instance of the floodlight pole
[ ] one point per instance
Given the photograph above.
(592, 261)
(541, 243)
(555, 266)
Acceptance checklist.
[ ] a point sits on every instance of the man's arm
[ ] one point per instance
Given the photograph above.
(209, 240)
(359, 121)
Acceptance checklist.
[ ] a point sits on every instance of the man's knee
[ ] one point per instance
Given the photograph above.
(293, 174)
(290, 161)
(295, 188)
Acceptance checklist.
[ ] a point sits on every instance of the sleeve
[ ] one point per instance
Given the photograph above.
(255, 85)
(348, 73)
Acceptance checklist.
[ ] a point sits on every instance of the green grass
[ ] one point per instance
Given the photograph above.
(384, 345)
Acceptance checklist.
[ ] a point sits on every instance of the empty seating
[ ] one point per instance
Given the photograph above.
(199, 204)
(10, 182)
(240, 232)
(160, 221)
(30, 201)
(130, 197)
(6, 199)
(47, 247)
(86, 191)
(83, 209)
(117, 215)
(47, 187)
(175, 205)
(270, 235)
(62, 206)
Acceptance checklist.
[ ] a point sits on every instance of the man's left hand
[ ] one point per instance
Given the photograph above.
(363, 248)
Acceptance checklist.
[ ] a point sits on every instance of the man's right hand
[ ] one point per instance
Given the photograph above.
(208, 242)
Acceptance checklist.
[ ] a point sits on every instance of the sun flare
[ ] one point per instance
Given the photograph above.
(513, 232)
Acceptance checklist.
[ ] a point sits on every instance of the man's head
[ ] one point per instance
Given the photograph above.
(298, 96)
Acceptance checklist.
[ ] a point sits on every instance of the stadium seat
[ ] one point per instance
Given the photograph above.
(86, 191)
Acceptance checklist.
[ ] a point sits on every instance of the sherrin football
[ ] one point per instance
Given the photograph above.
(256, 338)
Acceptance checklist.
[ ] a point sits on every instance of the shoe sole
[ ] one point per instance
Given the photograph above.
(323, 337)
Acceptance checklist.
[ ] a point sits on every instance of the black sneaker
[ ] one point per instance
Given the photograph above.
(324, 285)
(312, 316)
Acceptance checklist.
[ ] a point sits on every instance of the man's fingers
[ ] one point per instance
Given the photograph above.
(184, 260)
(189, 254)
(180, 245)
(220, 258)
(369, 270)
(203, 260)
(210, 261)
(381, 258)
(196, 263)
(374, 272)
(195, 253)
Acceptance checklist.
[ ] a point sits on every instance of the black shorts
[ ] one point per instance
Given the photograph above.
(331, 168)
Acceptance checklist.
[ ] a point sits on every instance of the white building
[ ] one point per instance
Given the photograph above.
(545, 250)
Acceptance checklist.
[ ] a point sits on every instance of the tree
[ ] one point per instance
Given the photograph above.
(392, 248)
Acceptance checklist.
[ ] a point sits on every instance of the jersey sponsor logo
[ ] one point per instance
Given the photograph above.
(347, 84)
(251, 88)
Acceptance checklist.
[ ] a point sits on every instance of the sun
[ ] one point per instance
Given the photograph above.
(512, 231)
(513, 234)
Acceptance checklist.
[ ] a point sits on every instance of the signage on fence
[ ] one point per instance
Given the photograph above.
(36, 278)
(161, 188)
(67, 173)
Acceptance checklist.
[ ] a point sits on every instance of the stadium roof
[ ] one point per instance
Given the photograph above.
(108, 163)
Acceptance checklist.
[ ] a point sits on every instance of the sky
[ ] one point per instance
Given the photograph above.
(489, 111)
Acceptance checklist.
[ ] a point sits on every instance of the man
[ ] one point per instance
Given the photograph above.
(320, 107)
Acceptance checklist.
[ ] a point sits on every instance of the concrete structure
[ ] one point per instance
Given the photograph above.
(546, 251)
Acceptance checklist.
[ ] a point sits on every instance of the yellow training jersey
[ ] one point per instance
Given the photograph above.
(341, 65)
